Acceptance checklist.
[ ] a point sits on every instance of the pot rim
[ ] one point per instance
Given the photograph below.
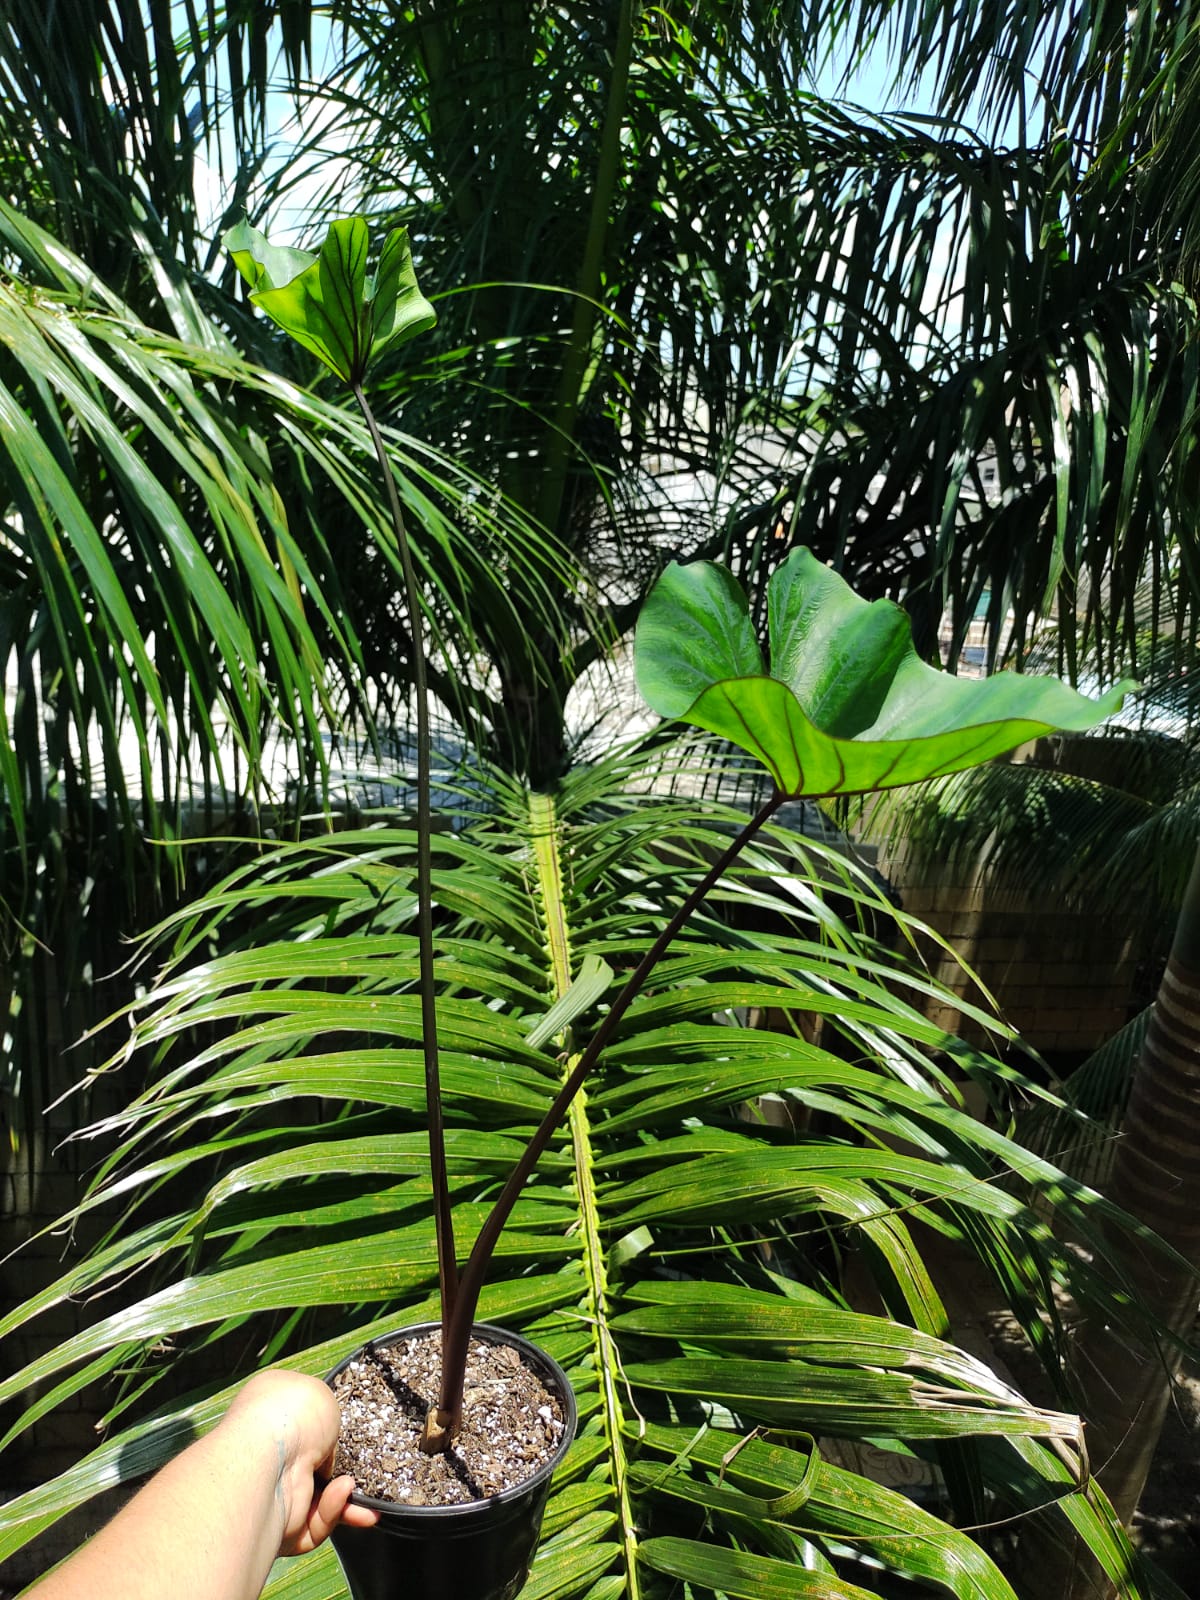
(492, 1333)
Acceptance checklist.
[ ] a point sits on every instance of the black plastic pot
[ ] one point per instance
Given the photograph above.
(478, 1551)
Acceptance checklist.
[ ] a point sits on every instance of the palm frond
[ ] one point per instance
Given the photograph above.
(1080, 1134)
(956, 367)
(669, 1253)
(182, 645)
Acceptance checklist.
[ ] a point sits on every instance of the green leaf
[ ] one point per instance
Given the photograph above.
(853, 1402)
(594, 978)
(398, 308)
(342, 277)
(325, 303)
(262, 264)
(749, 1577)
(885, 1524)
(848, 706)
(571, 1560)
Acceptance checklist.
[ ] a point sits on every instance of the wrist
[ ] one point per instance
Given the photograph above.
(255, 1447)
(283, 1427)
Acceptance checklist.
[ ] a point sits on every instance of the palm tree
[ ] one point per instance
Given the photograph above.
(983, 385)
(980, 388)
(951, 359)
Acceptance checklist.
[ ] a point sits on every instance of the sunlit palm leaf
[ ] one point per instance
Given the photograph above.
(610, 1260)
(956, 367)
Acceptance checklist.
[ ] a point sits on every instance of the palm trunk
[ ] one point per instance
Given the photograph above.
(1156, 1178)
(1126, 1385)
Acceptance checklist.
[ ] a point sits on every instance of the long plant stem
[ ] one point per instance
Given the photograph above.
(456, 1337)
(443, 1222)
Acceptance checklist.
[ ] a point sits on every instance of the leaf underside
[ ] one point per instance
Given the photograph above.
(848, 706)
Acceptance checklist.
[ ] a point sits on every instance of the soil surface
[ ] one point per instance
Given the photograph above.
(512, 1424)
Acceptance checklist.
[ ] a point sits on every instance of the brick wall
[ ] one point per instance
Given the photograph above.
(1062, 977)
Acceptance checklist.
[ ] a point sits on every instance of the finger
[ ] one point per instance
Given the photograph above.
(323, 1513)
(328, 1508)
(330, 1505)
(359, 1516)
(353, 1516)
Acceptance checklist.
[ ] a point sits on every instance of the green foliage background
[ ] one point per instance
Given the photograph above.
(981, 398)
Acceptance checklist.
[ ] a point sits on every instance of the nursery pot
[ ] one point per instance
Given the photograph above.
(478, 1551)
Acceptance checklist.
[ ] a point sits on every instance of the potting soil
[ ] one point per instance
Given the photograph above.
(512, 1423)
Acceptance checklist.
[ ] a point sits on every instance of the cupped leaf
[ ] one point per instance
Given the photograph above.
(398, 308)
(326, 302)
(848, 706)
(262, 264)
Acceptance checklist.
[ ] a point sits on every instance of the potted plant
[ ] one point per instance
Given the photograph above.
(845, 707)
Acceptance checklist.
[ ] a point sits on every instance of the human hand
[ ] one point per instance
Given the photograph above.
(295, 1418)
